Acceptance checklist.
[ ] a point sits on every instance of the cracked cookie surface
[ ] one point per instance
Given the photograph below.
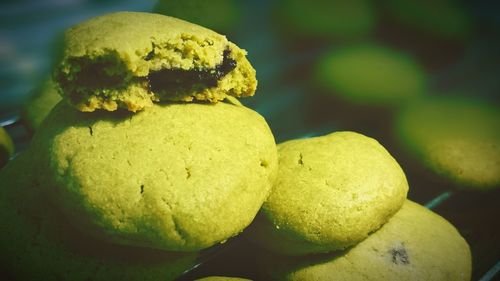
(330, 193)
(176, 176)
(38, 243)
(130, 60)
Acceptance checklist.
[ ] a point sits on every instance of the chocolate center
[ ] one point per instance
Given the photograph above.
(399, 255)
(180, 79)
(109, 72)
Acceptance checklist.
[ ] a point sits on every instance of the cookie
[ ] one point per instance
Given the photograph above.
(339, 19)
(456, 137)
(178, 177)
(130, 60)
(389, 77)
(330, 193)
(38, 243)
(41, 102)
(416, 244)
(6, 147)
(222, 278)
(219, 15)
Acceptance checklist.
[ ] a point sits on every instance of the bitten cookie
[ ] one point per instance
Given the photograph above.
(457, 138)
(37, 243)
(330, 193)
(41, 102)
(416, 244)
(130, 59)
(176, 176)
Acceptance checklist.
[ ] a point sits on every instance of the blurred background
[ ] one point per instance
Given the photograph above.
(421, 77)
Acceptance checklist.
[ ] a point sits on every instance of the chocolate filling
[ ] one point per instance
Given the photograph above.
(399, 255)
(109, 72)
(93, 75)
(180, 79)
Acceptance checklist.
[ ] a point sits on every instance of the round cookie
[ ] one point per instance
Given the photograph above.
(219, 15)
(416, 244)
(330, 193)
(41, 102)
(38, 243)
(130, 60)
(222, 278)
(371, 74)
(456, 137)
(176, 176)
(341, 19)
(6, 147)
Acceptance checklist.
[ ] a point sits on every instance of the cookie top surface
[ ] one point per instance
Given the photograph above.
(458, 138)
(330, 193)
(416, 244)
(131, 59)
(176, 176)
(388, 77)
(38, 243)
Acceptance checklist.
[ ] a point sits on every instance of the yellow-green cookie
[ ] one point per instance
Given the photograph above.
(219, 15)
(6, 147)
(176, 176)
(37, 243)
(371, 74)
(222, 278)
(41, 102)
(330, 193)
(458, 138)
(130, 59)
(416, 244)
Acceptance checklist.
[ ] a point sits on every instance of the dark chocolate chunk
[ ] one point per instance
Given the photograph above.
(98, 73)
(180, 79)
(399, 255)
(150, 55)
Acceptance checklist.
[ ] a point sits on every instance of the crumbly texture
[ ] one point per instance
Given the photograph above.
(222, 278)
(130, 60)
(6, 147)
(457, 138)
(219, 15)
(371, 74)
(41, 102)
(330, 193)
(176, 176)
(38, 243)
(416, 244)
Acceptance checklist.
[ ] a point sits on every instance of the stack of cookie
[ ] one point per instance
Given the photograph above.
(148, 159)
(338, 211)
